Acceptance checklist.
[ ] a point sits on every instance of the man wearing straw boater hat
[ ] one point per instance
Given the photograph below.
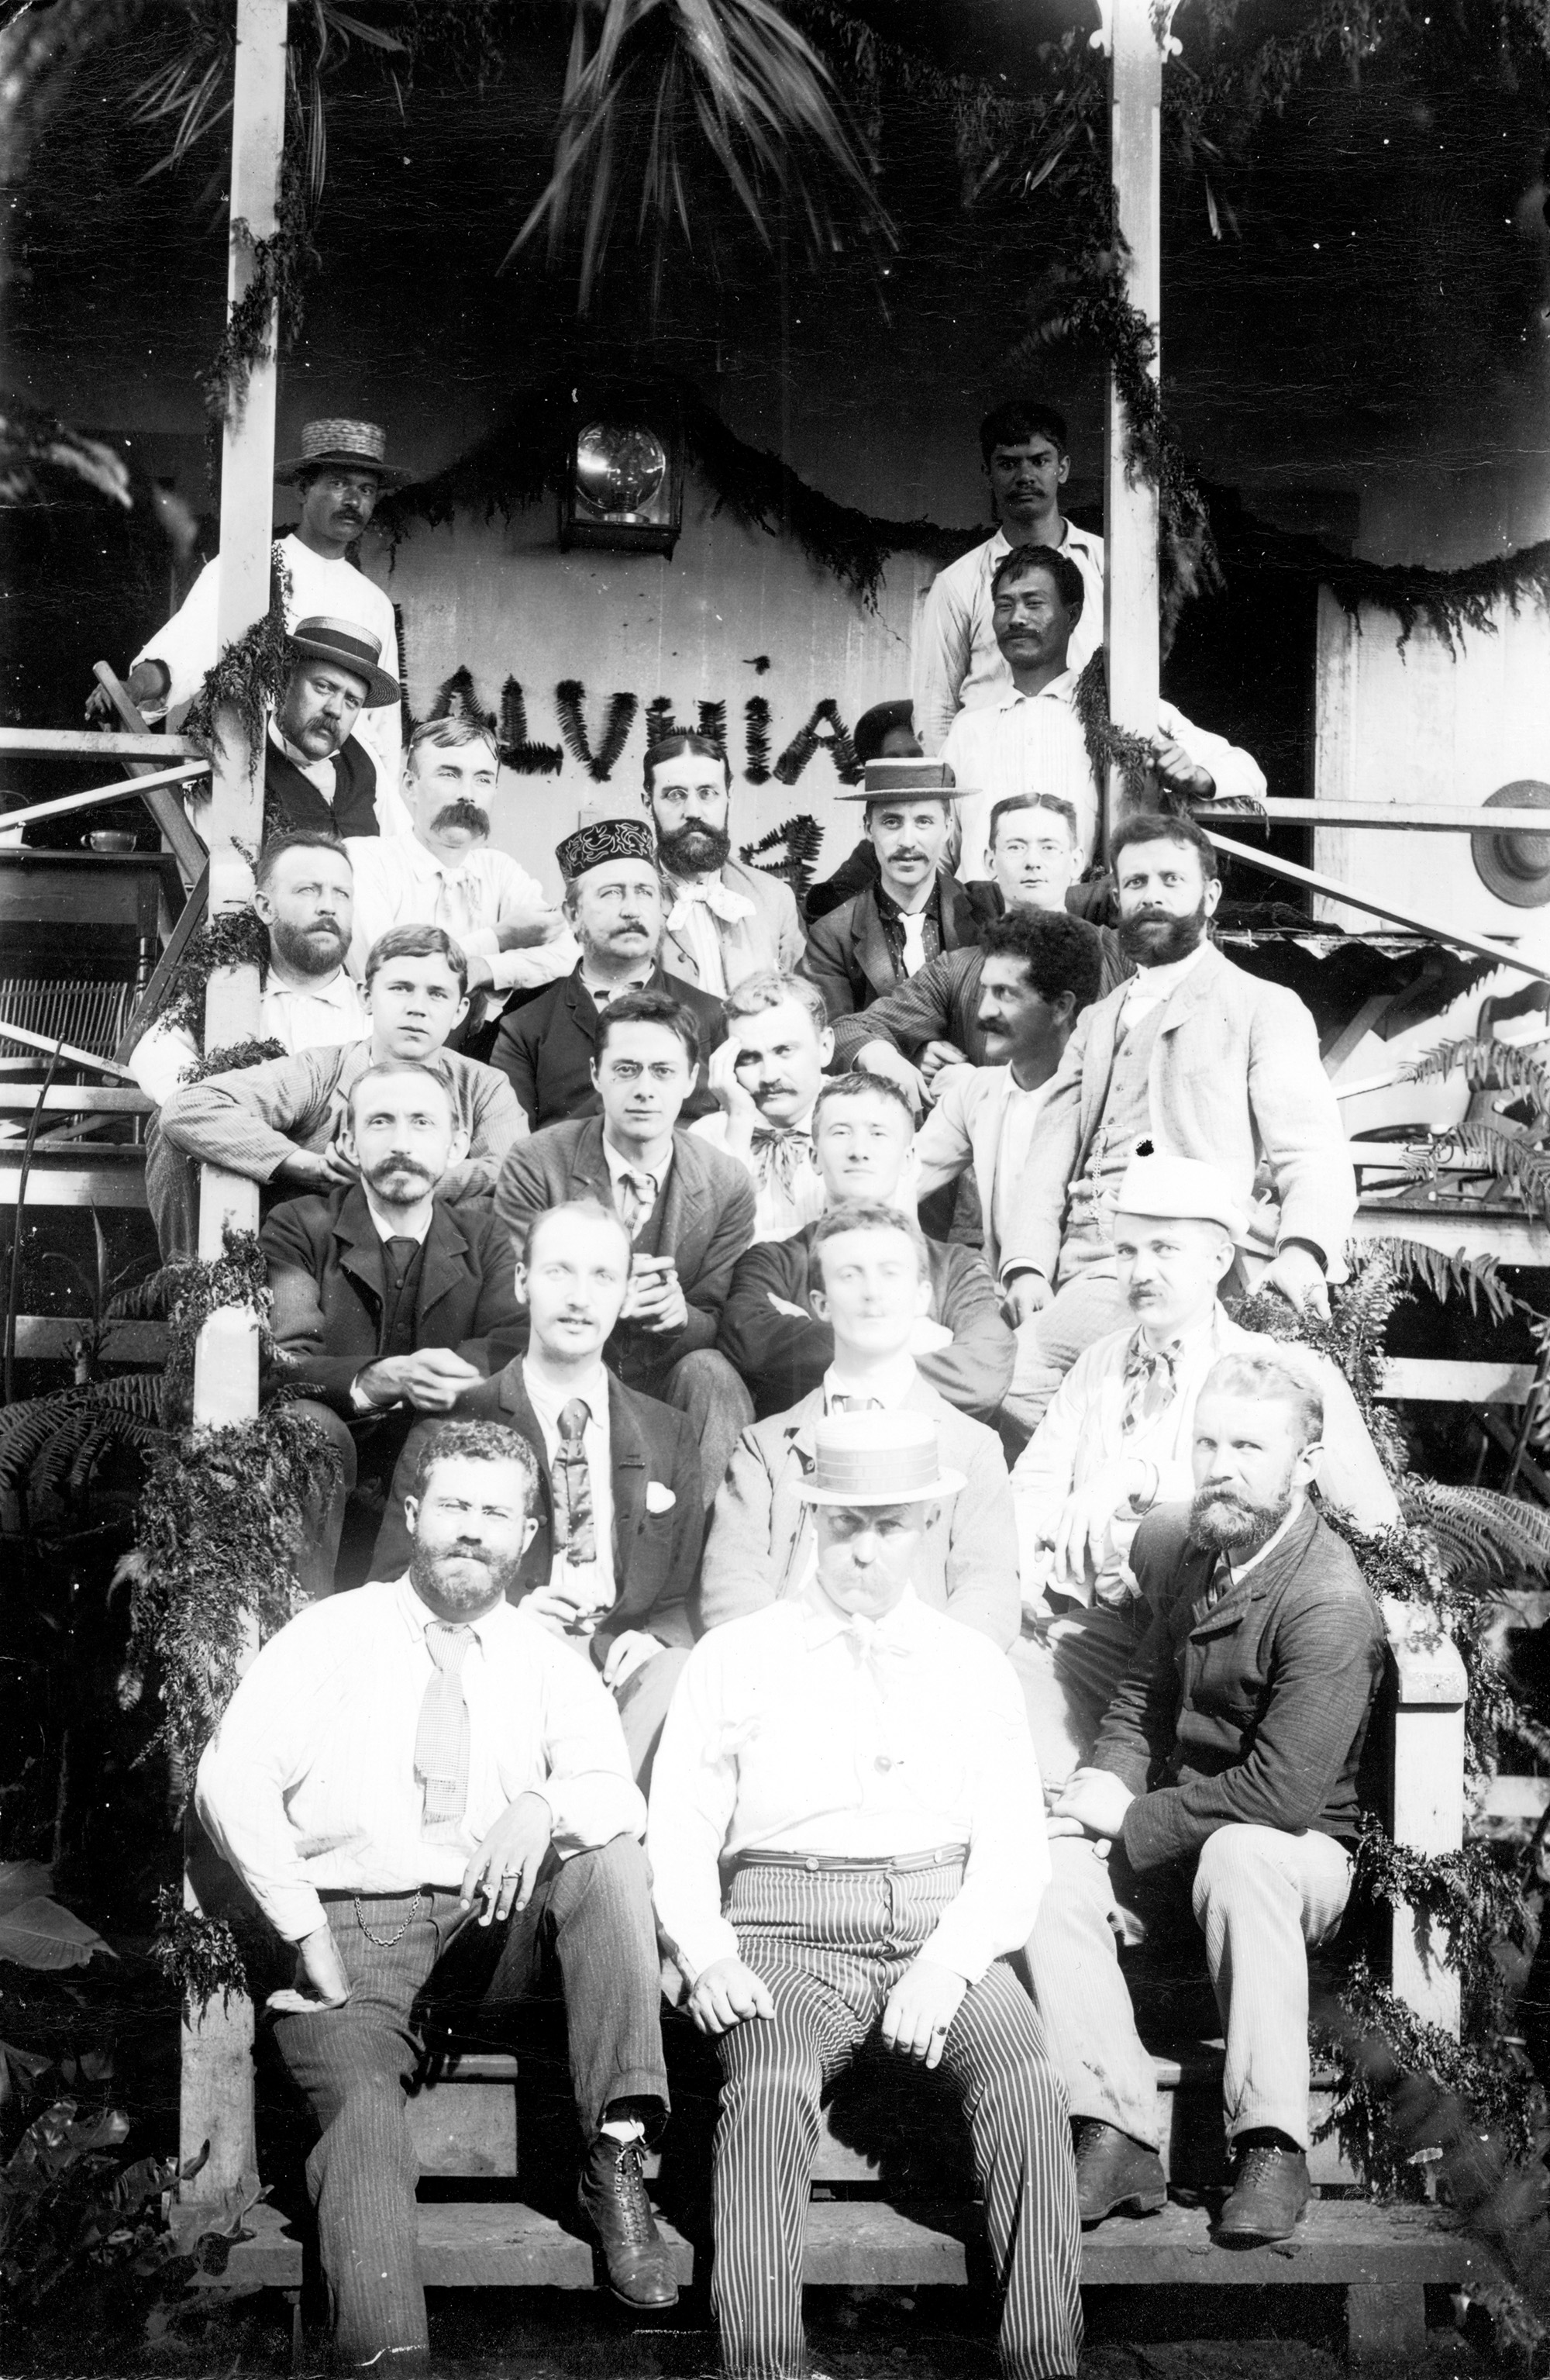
(889, 930)
(859, 1770)
(319, 777)
(338, 476)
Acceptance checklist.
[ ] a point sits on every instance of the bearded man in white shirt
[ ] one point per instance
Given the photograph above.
(958, 662)
(767, 1077)
(725, 919)
(303, 891)
(1119, 1438)
(844, 1754)
(1031, 740)
(391, 1759)
(445, 874)
(338, 476)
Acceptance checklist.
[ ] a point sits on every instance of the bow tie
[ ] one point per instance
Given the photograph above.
(717, 898)
(1151, 1380)
(872, 1643)
(782, 1150)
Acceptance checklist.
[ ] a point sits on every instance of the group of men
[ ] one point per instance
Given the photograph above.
(871, 1622)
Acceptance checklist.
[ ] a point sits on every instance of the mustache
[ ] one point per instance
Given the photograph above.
(462, 813)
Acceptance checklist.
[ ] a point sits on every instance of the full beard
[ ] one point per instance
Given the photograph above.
(313, 953)
(1141, 940)
(426, 1574)
(694, 850)
(465, 814)
(1226, 1524)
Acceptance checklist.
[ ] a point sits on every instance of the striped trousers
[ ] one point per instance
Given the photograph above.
(830, 1939)
(592, 1914)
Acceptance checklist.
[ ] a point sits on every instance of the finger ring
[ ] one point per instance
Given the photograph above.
(938, 2028)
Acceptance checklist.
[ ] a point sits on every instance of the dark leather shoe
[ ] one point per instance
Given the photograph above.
(613, 2198)
(1269, 2195)
(1115, 2173)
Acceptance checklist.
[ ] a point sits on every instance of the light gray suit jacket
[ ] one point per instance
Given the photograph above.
(1235, 1080)
(772, 936)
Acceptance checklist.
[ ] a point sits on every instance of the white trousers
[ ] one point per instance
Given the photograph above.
(1260, 1897)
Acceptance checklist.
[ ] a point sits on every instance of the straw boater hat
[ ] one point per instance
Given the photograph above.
(905, 780)
(352, 647)
(1176, 1187)
(1516, 868)
(361, 445)
(877, 1457)
(602, 840)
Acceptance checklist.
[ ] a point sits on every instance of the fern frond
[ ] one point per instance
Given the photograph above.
(1477, 1278)
(1480, 1532)
(1486, 1065)
(43, 1439)
(1521, 1163)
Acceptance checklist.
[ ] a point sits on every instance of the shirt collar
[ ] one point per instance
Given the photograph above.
(889, 908)
(823, 1622)
(386, 1229)
(1238, 1570)
(337, 991)
(618, 1164)
(1197, 1339)
(1161, 980)
(549, 1401)
(417, 1616)
(892, 1382)
(1059, 689)
(299, 759)
(427, 865)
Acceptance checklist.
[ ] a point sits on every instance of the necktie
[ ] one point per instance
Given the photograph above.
(871, 1647)
(634, 1197)
(403, 1250)
(914, 943)
(780, 1152)
(855, 1405)
(576, 1532)
(458, 903)
(442, 1740)
(1151, 1382)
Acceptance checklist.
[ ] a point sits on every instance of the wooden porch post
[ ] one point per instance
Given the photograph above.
(1136, 34)
(217, 2071)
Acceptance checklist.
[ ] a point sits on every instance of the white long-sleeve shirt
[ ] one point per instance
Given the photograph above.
(189, 644)
(309, 1782)
(958, 664)
(299, 1016)
(1033, 744)
(792, 1731)
(399, 882)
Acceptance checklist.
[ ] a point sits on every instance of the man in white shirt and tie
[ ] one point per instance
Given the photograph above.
(446, 874)
(725, 919)
(302, 892)
(1030, 738)
(396, 1765)
(957, 664)
(846, 1834)
(767, 1075)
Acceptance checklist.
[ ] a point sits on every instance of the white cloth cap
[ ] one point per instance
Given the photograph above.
(1182, 1186)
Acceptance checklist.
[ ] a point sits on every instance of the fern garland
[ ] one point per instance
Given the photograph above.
(570, 695)
(250, 679)
(233, 1059)
(517, 750)
(802, 839)
(198, 1955)
(237, 938)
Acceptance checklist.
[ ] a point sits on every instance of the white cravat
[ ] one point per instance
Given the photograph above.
(697, 913)
(913, 925)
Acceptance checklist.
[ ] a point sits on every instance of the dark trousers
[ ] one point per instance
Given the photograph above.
(830, 1943)
(592, 1915)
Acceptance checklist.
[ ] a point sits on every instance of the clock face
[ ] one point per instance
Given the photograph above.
(618, 467)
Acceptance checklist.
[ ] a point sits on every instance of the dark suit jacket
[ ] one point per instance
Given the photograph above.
(1254, 1713)
(656, 1554)
(706, 1221)
(781, 1359)
(941, 1004)
(325, 1272)
(545, 1048)
(848, 956)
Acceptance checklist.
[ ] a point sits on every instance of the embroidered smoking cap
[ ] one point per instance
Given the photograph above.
(604, 839)
(1180, 1186)
(1516, 868)
(904, 780)
(360, 444)
(877, 1457)
(352, 648)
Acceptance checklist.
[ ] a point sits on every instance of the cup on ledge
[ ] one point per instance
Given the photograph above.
(112, 840)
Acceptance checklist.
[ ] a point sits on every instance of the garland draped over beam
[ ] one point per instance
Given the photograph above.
(528, 456)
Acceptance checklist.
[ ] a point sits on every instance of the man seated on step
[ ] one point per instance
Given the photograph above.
(614, 907)
(1038, 971)
(318, 776)
(872, 1286)
(846, 1843)
(766, 1076)
(303, 891)
(620, 1514)
(280, 1123)
(934, 1020)
(379, 1282)
(1224, 1776)
(863, 1132)
(689, 1211)
(1117, 1440)
(916, 909)
(426, 1794)
(447, 873)
(1199, 1058)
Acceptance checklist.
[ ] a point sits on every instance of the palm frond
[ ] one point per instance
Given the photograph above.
(1514, 1159)
(1481, 1535)
(47, 1441)
(1447, 1277)
(733, 76)
(1486, 1065)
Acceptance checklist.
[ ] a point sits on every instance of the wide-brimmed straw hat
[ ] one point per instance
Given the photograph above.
(1514, 865)
(877, 1457)
(352, 648)
(357, 446)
